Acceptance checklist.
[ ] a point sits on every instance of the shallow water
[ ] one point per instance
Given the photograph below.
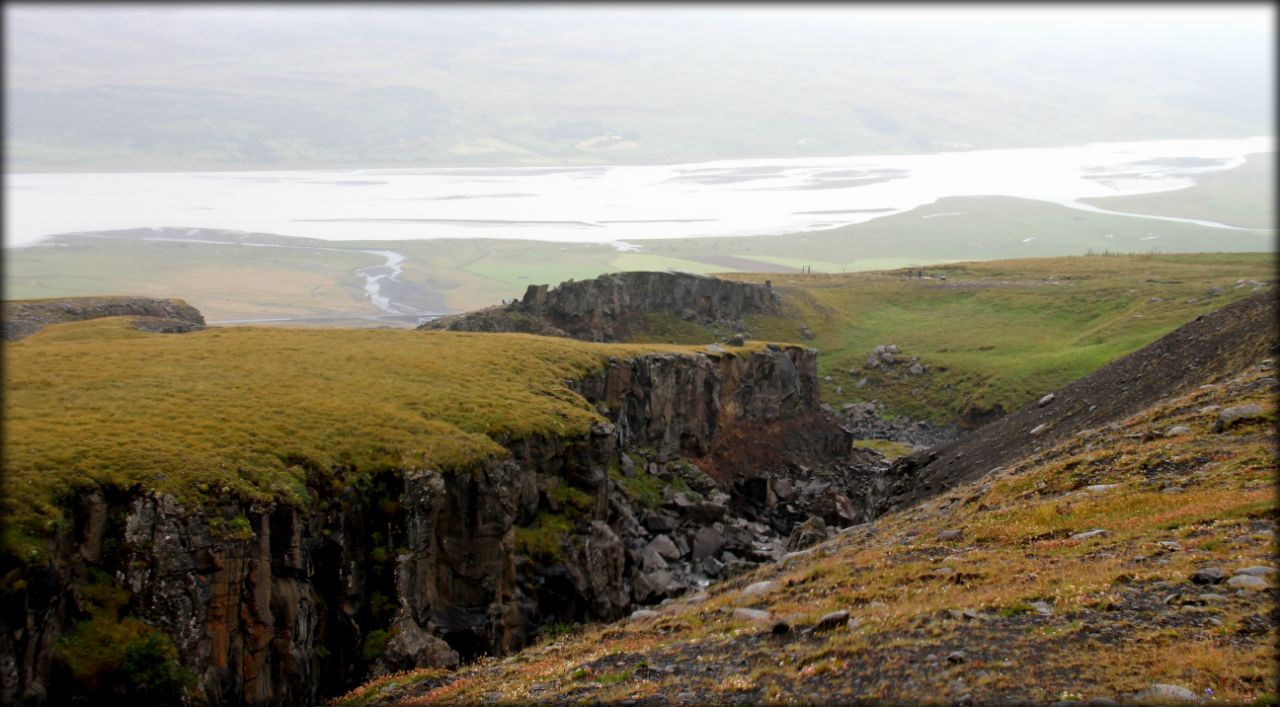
(600, 204)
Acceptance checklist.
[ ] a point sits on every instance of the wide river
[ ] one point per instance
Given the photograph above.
(611, 204)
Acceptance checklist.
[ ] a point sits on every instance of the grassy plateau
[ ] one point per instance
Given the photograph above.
(257, 414)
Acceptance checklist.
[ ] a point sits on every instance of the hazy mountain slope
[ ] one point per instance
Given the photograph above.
(119, 87)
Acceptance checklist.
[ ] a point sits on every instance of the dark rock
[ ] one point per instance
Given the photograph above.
(663, 546)
(661, 522)
(605, 308)
(649, 559)
(706, 512)
(807, 534)
(1209, 575)
(655, 586)
(412, 647)
(706, 543)
(1233, 415)
(832, 620)
(1246, 581)
(752, 615)
(22, 318)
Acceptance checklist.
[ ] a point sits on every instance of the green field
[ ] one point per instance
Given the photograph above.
(996, 335)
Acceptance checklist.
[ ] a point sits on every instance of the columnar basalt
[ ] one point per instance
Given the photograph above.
(283, 605)
(610, 307)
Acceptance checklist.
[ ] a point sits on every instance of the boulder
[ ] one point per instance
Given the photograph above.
(1234, 414)
(1208, 575)
(661, 522)
(752, 615)
(807, 534)
(832, 620)
(1247, 581)
(663, 546)
(759, 588)
(1160, 693)
(655, 586)
(706, 543)
(413, 647)
(711, 567)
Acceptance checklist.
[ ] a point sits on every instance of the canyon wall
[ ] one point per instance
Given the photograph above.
(705, 464)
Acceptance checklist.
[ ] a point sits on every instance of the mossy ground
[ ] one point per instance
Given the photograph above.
(264, 415)
(1122, 613)
(997, 334)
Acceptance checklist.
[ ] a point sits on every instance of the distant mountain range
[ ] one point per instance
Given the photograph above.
(119, 87)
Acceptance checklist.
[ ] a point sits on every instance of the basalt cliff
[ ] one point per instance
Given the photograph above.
(609, 307)
(708, 465)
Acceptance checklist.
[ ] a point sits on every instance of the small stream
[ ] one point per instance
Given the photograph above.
(374, 275)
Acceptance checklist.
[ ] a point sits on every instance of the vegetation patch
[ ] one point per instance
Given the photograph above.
(996, 335)
(888, 448)
(107, 654)
(541, 539)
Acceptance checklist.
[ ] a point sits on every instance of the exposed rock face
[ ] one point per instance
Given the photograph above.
(22, 318)
(608, 307)
(285, 605)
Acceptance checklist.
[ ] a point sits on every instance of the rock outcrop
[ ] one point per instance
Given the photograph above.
(608, 307)
(22, 318)
(703, 466)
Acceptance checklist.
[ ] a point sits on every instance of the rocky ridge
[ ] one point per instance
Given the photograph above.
(26, 317)
(608, 307)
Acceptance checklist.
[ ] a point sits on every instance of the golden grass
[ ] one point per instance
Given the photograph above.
(1009, 557)
(258, 414)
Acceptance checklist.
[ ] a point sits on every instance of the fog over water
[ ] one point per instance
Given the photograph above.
(600, 203)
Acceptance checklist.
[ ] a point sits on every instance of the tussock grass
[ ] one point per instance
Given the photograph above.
(260, 414)
(901, 581)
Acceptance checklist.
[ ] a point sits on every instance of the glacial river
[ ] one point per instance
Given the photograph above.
(608, 204)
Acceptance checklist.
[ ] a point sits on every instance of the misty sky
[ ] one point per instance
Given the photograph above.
(223, 86)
